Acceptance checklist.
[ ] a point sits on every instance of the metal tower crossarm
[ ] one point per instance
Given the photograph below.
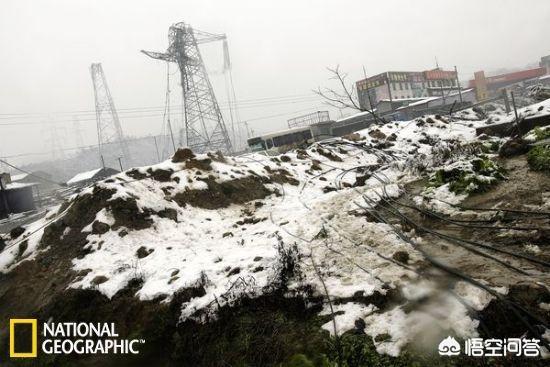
(204, 125)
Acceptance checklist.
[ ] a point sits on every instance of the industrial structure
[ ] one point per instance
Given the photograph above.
(109, 130)
(204, 127)
(309, 119)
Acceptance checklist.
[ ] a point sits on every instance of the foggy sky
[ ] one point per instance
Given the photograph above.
(278, 48)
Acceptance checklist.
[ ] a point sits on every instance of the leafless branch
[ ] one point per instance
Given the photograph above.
(346, 97)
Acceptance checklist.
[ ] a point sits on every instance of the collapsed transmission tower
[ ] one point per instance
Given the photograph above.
(204, 126)
(109, 130)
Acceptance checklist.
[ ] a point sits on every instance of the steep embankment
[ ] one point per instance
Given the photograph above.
(249, 259)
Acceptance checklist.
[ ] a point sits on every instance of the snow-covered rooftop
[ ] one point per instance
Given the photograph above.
(19, 185)
(83, 176)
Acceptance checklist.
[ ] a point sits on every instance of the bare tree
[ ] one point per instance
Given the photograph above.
(346, 97)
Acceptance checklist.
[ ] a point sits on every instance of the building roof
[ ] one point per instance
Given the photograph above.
(513, 77)
(19, 185)
(20, 176)
(434, 98)
(83, 176)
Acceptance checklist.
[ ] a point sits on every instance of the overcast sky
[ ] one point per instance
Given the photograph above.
(278, 49)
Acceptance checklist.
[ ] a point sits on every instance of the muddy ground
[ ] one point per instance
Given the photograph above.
(523, 189)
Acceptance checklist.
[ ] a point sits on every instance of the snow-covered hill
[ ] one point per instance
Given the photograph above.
(230, 227)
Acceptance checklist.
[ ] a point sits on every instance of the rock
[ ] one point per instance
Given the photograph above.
(22, 248)
(234, 271)
(218, 156)
(143, 252)
(528, 293)
(16, 232)
(99, 280)
(200, 164)
(285, 158)
(382, 337)
(513, 147)
(377, 134)
(100, 227)
(361, 180)
(182, 155)
(401, 256)
(360, 324)
(169, 213)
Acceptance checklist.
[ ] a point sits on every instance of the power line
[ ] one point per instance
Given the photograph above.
(130, 115)
(241, 101)
(139, 138)
(32, 174)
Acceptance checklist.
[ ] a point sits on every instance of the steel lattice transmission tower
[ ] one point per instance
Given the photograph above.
(204, 126)
(109, 130)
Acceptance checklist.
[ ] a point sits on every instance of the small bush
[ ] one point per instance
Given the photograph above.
(541, 134)
(477, 175)
(539, 158)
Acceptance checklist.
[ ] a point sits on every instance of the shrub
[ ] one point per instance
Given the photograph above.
(539, 158)
(541, 134)
(477, 175)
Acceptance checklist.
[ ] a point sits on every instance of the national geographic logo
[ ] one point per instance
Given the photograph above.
(25, 331)
(65, 338)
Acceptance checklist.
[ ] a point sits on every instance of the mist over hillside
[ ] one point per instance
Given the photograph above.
(143, 151)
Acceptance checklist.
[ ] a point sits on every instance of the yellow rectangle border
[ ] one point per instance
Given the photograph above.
(34, 349)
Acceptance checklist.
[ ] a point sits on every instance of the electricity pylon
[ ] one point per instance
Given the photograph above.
(204, 127)
(109, 130)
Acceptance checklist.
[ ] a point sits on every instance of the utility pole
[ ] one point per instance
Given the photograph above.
(506, 100)
(458, 84)
(515, 108)
(157, 148)
(247, 129)
(167, 110)
(4, 195)
(389, 90)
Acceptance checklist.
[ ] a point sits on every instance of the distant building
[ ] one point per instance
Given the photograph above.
(545, 63)
(487, 87)
(85, 178)
(405, 85)
(436, 105)
(15, 197)
(43, 180)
